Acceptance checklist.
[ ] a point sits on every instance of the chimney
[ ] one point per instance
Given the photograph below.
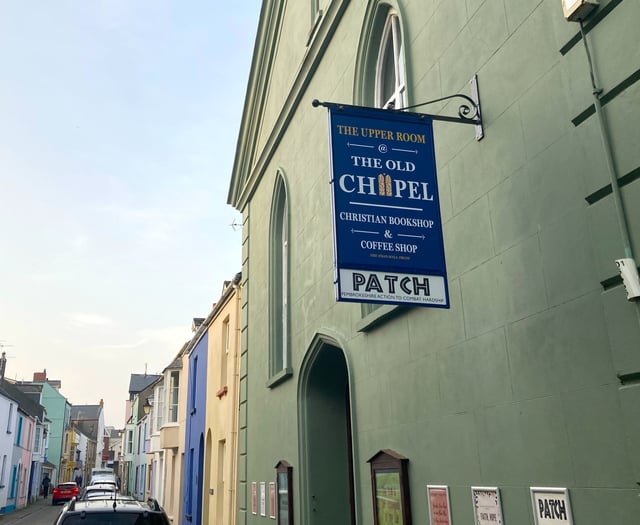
(40, 377)
(197, 321)
(102, 403)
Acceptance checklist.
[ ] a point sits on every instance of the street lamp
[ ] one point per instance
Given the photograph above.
(148, 405)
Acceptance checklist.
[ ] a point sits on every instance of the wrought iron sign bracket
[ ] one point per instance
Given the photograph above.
(468, 112)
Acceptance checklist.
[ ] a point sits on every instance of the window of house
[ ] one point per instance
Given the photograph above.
(224, 354)
(19, 432)
(160, 408)
(14, 481)
(194, 382)
(220, 488)
(3, 473)
(10, 419)
(129, 441)
(316, 17)
(279, 289)
(174, 390)
(37, 441)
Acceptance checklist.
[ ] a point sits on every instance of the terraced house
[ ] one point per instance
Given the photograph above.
(511, 393)
(181, 439)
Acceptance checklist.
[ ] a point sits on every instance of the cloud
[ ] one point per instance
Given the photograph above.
(174, 336)
(126, 346)
(88, 319)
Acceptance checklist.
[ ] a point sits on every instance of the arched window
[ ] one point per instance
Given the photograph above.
(390, 82)
(279, 290)
(381, 78)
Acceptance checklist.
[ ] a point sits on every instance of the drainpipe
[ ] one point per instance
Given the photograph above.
(236, 397)
(627, 267)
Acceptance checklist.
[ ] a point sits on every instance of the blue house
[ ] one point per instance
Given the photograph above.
(195, 426)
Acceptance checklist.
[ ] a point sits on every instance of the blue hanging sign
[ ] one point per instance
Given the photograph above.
(388, 245)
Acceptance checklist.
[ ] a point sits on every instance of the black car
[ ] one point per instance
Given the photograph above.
(118, 511)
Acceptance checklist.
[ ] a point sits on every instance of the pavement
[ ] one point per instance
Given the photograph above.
(20, 516)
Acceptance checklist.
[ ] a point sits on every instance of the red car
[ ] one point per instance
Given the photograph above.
(65, 492)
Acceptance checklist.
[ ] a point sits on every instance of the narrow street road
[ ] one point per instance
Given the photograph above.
(39, 513)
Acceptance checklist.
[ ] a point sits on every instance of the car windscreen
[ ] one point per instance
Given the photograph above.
(114, 518)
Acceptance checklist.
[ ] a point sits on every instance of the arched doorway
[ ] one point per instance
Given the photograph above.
(207, 465)
(199, 479)
(325, 437)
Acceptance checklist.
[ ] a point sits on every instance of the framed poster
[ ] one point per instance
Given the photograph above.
(254, 497)
(439, 506)
(390, 489)
(551, 506)
(272, 500)
(487, 508)
(263, 498)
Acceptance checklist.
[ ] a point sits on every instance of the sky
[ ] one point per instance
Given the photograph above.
(118, 126)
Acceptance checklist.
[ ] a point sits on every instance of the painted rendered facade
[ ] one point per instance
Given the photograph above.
(58, 412)
(37, 458)
(23, 447)
(89, 421)
(155, 452)
(8, 419)
(221, 435)
(196, 400)
(530, 378)
(172, 433)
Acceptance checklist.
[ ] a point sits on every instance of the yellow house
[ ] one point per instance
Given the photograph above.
(68, 463)
(221, 430)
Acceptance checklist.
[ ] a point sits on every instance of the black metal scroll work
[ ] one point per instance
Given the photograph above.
(467, 113)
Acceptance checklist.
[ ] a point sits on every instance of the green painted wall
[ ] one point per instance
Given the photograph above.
(530, 379)
(58, 410)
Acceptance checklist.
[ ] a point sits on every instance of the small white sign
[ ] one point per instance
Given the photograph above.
(551, 506)
(263, 498)
(390, 287)
(487, 509)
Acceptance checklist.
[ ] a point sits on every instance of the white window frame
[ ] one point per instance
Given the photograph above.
(3, 473)
(391, 36)
(159, 412)
(37, 440)
(279, 285)
(174, 396)
(10, 418)
(285, 283)
(130, 441)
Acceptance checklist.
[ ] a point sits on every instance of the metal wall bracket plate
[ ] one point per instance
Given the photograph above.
(469, 112)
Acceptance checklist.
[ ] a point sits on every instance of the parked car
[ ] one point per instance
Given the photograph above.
(102, 470)
(105, 483)
(65, 492)
(100, 490)
(103, 478)
(119, 511)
